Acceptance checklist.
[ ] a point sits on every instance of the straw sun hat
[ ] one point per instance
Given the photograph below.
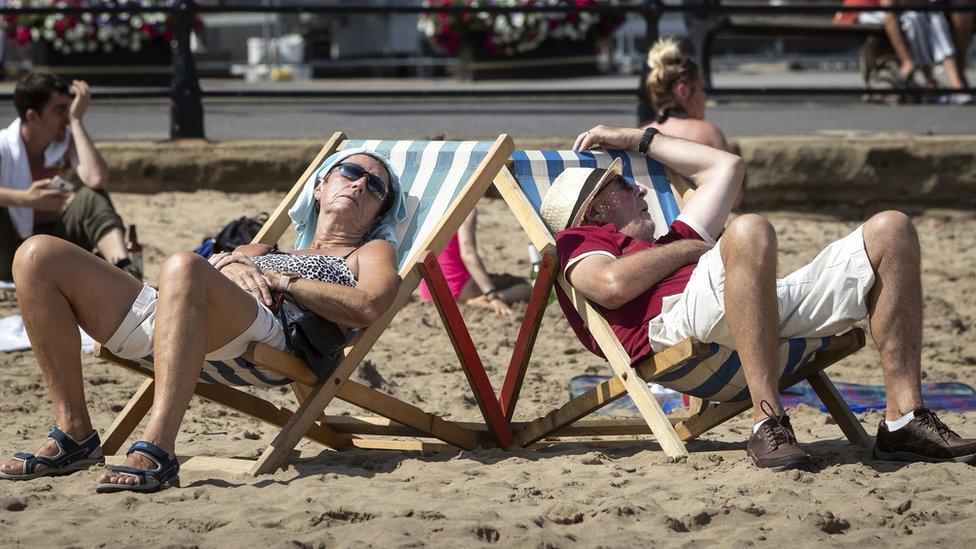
(571, 193)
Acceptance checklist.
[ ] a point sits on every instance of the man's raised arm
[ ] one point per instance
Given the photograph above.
(91, 166)
(716, 174)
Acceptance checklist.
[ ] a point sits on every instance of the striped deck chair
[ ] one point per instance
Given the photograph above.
(709, 372)
(442, 180)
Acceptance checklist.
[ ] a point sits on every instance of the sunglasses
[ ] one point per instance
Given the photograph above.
(375, 185)
(620, 183)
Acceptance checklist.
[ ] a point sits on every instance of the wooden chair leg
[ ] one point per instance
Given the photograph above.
(579, 407)
(840, 411)
(391, 408)
(301, 393)
(289, 436)
(651, 411)
(709, 418)
(129, 418)
(556, 421)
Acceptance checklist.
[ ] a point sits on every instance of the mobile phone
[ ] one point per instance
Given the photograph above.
(60, 183)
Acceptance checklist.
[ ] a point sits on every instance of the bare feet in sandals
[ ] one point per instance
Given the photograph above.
(14, 466)
(147, 468)
(136, 461)
(60, 455)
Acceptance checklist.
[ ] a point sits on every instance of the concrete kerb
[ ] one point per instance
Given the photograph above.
(781, 171)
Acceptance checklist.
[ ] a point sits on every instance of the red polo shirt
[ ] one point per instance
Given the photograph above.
(629, 321)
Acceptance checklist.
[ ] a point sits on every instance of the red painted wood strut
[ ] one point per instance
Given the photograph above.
(527, 334)
(471, 363)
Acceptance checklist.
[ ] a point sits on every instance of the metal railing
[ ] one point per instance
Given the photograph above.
(186, 112)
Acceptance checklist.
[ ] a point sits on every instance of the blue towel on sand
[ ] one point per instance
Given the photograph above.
(953, 397)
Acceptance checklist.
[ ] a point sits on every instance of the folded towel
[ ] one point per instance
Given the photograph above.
(13, 337)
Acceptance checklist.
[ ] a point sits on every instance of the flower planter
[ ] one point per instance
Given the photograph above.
(552, 59)
(150, 66)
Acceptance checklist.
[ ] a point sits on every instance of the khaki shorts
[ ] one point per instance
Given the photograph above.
(823, 298)
(133, 339)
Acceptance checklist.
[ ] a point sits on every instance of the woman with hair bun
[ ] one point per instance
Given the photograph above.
(677, 93)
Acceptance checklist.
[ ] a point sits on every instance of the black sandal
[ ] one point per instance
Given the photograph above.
(72, 456)
(166, 472)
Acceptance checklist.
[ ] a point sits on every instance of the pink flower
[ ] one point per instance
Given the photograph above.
(22, 36)
(451, 42)
(490, 48)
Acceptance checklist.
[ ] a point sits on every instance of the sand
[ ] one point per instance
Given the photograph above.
(626, 495)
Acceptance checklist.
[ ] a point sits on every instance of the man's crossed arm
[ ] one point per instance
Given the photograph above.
(611, 283)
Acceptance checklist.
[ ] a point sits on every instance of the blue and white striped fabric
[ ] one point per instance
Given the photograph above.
(718, 376)
(237, 373)
(432, 175)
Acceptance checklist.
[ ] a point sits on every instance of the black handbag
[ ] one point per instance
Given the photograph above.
(317, 341)
(238, 232)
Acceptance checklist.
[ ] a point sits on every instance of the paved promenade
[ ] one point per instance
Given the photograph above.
(235, 119)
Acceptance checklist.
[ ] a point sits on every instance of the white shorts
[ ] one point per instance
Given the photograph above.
(823, 298)
(133, 339)
(927, 34)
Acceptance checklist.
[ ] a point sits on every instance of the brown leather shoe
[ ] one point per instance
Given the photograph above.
(774, 444)
(924, 438)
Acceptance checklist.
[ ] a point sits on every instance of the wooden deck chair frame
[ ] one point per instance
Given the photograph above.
(565, 422)
(397, 418)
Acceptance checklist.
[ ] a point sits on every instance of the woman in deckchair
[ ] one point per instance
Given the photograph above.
(346, 273)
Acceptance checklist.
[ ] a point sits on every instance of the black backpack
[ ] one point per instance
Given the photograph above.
(239, 232)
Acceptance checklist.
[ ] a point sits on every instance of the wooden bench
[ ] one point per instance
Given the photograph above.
(703, 27)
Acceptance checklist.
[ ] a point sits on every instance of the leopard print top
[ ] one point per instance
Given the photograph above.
(325, 268)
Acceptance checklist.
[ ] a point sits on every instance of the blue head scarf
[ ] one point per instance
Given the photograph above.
(304, 217)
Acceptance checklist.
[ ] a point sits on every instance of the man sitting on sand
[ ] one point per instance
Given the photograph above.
(37, 148)
(655, 293)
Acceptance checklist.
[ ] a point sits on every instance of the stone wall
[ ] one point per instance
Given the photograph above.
(781, 171)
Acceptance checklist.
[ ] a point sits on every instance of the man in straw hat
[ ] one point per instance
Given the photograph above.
(656, 292)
